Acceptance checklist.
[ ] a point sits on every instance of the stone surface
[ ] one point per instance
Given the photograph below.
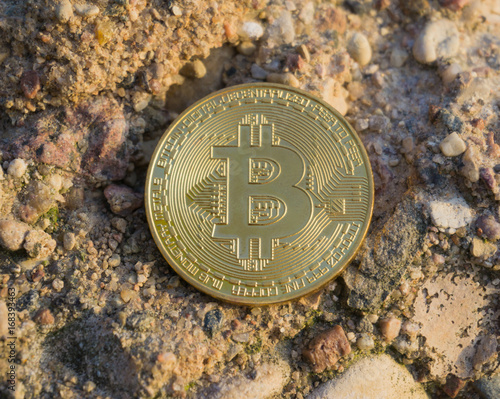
(326, 349)
(490, 228)
(450, 213)
(386, 256)
(489, 386)
(372, 378)
(269, 379)
(445, 307)
(359, 49)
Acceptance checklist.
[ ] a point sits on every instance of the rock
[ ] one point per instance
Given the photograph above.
(481, 249)
(86, 10)
(303, 51)
(39, 244)
(405, 347)
(40, 199)
(246, 48)
(372, 378)
(30, 84)
(453, 385)
(69, 241)
(389, 327)
(438, 40)
(251, 30)
(4, 324)
(126, 295)
(267, 381)
(213, 322)
(490, 228)
(359, 49)
(470, 169)
(122, 199)
(449, 74)
(194, 70)
(398, 57)
(44, 317)
(114, 260)
(410, 329)
(306, 15)
(17, 168)
(241, 337)
(332, 19)
(326, 349)
(485, 351)
(89, 138)
(445, 307)
(282, 31)
(386, 256)
(58, 284)
(258, 72)
(64, 11)
(450, 213)
(489, 386)
(176, 11)
(452, 145)
(12, 234)
(283, 78)
(365, 342)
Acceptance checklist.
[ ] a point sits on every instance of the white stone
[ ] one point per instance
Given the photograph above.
(282, 31)
(398, 57)
(453, 212)
(372, 378)
(269, 381)
(359, 49)
(251, 31)
(17, 168)
(69, 241)
(86, 10)
(449, 74)
(365, 342)
(452, 145)
(176, 11)
(438, 39)
(64, 11)
(306, 15)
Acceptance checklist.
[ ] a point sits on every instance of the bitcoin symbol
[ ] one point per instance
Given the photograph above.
(261, 177)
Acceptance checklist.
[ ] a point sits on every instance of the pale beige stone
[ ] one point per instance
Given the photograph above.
(452, 145)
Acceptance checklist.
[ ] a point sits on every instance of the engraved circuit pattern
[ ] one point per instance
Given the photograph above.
(259, 194)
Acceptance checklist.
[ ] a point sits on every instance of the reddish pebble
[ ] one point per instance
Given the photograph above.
(453, 385)
(478, 123)
(44, 317)
(294, 62)
(30, 84)
(389, 327)
(326, 349)
(455, 5)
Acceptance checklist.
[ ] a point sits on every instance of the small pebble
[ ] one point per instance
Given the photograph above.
(86, 10)
(452, 145)
(17, 168)
(283, 78)
(194, 70)
(389, 328)
(58, 284)
(439, 39)
(258, 72)
(30, 84)
(89, 386)
(410, 329)
(283, 30)
(114, 260)
(481, 249)
(359, 49)
(490, 227)
(241, 337)
(64, 11)
(176, 11)
(44, 317)
(126, 295)
(365, 342)
(449, 74)
(251, 30)
(69, 241)
(398, 57)
(304, 52)
(246, 48)
(470, 169)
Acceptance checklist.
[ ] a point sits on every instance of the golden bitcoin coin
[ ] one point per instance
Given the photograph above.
(259, 193)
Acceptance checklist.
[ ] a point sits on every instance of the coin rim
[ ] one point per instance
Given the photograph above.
(223, 296)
